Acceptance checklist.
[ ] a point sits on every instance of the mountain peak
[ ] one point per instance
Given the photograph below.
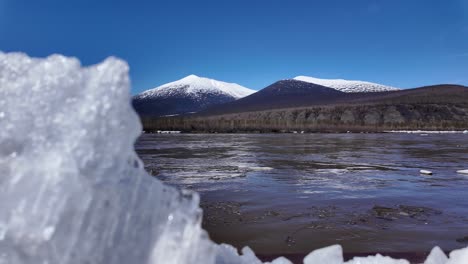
(194, 86)
(191, 76)
(348, 86)
(187, 95)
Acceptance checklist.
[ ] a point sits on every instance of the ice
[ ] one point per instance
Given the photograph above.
(459, 256)
(377, 259)
(329, 255)
(426, 172)
(72, 189)
(227, 254)
(334, 255)
(437, 256)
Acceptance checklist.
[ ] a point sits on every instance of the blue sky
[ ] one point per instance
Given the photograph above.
(404, 43)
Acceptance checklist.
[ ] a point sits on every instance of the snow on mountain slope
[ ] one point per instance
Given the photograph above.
(195, 86)
(188, 95)
(348, 86)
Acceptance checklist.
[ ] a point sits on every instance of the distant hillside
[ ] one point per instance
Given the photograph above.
(281, 94)
(437, 107)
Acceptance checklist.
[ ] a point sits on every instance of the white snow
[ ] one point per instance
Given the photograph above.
(72, 189)
(195, 86)
(347, 86)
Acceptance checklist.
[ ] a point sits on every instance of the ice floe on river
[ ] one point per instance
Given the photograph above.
(72, 189)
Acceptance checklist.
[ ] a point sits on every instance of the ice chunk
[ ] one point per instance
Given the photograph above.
(377, 259)
(329, 255)
(228, 254)
(437, 256)
(72, 189)
(459, 256)
(427, 172)
(281, 260)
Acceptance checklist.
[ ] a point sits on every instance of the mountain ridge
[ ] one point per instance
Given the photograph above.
(281, 94)
(438, 107)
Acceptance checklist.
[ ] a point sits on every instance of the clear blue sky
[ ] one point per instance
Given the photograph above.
(404, 43)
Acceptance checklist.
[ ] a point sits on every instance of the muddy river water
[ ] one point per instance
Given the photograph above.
(292, 193)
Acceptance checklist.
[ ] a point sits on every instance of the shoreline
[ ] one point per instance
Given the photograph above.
(310, 132)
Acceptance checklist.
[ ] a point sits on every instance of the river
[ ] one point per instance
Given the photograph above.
(292, 193)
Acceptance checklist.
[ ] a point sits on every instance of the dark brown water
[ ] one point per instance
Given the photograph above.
(292, 193)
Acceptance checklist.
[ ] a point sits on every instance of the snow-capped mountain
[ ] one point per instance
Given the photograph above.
(195, 86)
(281, 94)
(187, 95)
(348, 86)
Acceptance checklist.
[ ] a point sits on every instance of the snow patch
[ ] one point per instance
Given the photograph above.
(347, 86)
